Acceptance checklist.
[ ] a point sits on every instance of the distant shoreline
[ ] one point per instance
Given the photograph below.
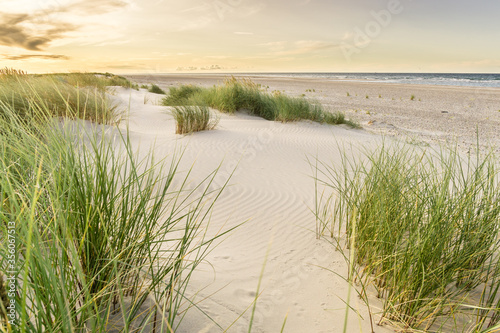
(486, 80)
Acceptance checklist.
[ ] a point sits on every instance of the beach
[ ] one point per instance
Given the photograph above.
(435, 115)
(270, 193)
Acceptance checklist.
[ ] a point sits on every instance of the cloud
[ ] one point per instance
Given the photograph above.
(35, 56)
(35, 31)
(20, 30)
(95, 7)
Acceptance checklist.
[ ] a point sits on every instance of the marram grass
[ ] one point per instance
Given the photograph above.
(426, 234)
(72, 96)
(191, 119)
(236, 94)
(105, 241)
(156, 89)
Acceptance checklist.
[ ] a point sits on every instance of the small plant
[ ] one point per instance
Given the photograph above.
(379, 96)
(303, 95)
(144, 86)
(156, 90)
(412, 98)
(191, 119)
(367, 97)
(348, 95)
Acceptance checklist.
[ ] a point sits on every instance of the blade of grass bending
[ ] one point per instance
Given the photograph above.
(351, 268)
(257, 295)
(284, 323)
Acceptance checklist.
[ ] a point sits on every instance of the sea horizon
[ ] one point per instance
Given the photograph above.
(486, 80)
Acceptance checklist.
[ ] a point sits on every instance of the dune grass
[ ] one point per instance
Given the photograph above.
(100, 81)
(75, 95)
(156, 90)
(179, 96)
(191, 119)
(104, 240)
(426, 227)
(236, 95)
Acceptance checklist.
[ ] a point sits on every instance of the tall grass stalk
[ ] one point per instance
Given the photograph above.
(105, 241)
(426, 227)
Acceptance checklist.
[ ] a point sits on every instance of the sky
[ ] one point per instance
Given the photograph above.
(205, 36)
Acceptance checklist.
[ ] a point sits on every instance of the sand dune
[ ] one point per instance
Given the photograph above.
(272, 191)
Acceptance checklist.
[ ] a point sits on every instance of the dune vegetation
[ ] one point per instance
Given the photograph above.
(156, 89)
(191, 119)
(420, 230)
(244, 94)
(74, 95)
(97, 239)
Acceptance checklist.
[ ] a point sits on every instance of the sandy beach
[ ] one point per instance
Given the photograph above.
(437, 114)
(272, 192)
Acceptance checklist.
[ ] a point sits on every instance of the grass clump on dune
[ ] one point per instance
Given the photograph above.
(156, 90)
(425, 228)
(191, 119)
(104, 240)
(68, 95)
(179, 95)
(236, 95)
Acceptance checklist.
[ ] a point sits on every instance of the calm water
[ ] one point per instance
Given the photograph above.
(453, 79)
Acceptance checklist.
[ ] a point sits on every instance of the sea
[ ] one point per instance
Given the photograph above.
(444, 79)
